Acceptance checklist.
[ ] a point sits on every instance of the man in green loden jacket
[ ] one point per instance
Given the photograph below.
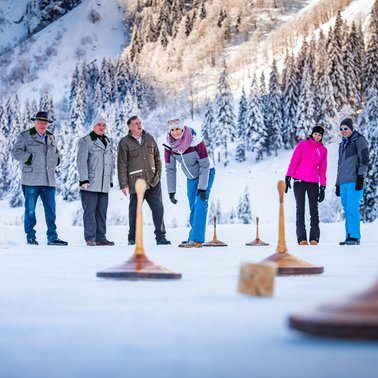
(138, 157)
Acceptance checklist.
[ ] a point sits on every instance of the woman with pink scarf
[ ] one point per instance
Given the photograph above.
(308, 167)
(184, 146)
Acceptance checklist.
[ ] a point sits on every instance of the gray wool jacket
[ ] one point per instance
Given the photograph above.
(353, 159)
(38, 158)
(95, 163)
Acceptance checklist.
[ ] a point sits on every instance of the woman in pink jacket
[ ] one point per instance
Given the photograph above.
(308, 168)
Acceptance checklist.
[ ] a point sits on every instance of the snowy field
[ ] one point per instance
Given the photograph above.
(59, 320)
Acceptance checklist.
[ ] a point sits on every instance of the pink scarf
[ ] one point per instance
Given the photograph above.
(182, 144)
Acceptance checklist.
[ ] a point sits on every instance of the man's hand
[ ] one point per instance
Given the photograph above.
(202, 194)
(86, 185)
(288, 183)
(125, 190)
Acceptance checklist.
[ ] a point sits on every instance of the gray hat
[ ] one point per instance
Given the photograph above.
(97, 120)
(175, 123)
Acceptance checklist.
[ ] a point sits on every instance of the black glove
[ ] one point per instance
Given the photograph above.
(202, 194)
(337, 191)
(172, 198)
(360, 182)
(321, 194)
(29, 161)
(287, 182)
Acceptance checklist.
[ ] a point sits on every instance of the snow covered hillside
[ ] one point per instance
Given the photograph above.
(46, 61)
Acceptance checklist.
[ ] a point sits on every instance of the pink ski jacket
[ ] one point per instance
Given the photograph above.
(309, 162)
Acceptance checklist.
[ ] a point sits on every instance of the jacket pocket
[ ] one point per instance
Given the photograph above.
(151, 149)
(133, 153)
(27, 169)
(94, 163)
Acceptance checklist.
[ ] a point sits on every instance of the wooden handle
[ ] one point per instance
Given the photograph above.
(215, 227)
(257, 228)
(281, 246)
(140, 188)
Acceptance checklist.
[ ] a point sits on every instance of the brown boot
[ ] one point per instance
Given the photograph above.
(91, 243)
(104, 242)
(303, 242)
(313, 242)
(193, 244)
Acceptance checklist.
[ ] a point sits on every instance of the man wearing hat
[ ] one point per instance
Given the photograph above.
(36, 150)
(308, 168)
(351, 172)
(95, 166)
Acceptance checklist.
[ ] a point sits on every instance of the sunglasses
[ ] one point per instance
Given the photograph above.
(173, 122)
(344, 128)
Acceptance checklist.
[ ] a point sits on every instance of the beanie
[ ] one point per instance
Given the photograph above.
(175, 123)
(98, 120)
(318, 129)
(347, 122)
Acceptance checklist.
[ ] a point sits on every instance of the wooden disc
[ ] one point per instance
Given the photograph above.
(291, 265)
(257, 243)
(139, 267)
(356, 318)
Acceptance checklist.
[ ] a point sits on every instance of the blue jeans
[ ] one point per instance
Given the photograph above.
(198, 208)
(350, 199)
(47, 194)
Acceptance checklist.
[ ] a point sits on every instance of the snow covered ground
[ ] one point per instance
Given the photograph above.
(59, 320)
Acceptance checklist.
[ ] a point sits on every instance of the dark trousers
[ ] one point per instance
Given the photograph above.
(312, 189)
(155, 202)
(95, 206)
(47, 194)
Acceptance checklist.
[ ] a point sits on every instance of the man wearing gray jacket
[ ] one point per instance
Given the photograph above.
(351, 173)
(95, 166)
(36, 150)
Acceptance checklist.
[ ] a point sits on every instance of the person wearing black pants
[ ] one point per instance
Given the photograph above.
(308, 168)
(312, 189)
(153, 196)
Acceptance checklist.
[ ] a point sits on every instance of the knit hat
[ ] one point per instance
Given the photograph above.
(175, 123)
(347, 122)
(98, 120)
(318, 129)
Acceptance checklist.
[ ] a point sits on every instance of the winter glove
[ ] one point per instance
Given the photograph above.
(321, 194)
(360, 182)
(202, 194)
(172, 198)
(29, 161)
(287, 182)
(337, 191)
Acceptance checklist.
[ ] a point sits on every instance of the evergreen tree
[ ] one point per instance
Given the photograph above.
(15, 191)
(352, 82)
(369, 120)
(4, 151)
(241, 128)
(305, 111)
(337, 72)
(244, 208)
(202, 14)
(256, 133)
(274, 113)
(208, 128)
(289, 102)
(325, 107)
(224, 115)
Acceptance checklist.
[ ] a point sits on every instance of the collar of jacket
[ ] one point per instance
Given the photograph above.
(131, 135)
(33, 131)
(94, 136)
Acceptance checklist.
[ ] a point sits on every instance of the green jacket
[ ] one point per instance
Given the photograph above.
(136, 160)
